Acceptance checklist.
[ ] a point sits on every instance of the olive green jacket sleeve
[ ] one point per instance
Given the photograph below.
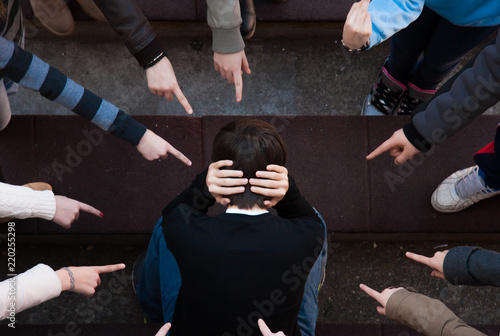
(428, 316)
(224, 18)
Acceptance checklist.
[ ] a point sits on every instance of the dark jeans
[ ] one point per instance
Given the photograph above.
(443, 44)
(488, 159)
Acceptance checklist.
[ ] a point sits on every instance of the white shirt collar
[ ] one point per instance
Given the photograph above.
(246, 212)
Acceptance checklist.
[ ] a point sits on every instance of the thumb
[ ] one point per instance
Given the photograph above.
(381, 310)
(245, 66)
(403, 157)
(438, 274)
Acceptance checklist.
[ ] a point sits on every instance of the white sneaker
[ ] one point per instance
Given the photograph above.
(460, 190)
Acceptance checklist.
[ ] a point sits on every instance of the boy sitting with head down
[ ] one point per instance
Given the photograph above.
(244, 264)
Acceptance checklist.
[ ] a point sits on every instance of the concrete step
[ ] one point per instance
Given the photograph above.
(326, 157)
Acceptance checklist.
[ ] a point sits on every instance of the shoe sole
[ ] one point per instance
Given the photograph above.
(364, 108)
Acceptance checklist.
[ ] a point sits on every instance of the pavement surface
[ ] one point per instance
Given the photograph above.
(297, 69)
(378, 264)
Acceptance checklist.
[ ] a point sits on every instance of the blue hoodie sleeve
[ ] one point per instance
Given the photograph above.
(390, 16)
(471, 265)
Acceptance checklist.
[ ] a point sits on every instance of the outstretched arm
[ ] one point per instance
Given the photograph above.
(23, 202)
(41, 283)
(428, 316)
(472, 93)
(31, 72)
(464, 265)
(224, 19)
(127, 19)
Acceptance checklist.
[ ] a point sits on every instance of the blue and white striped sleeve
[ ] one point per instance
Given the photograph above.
(390, 16)
(31, 72)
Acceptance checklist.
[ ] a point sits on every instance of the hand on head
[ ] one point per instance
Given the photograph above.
(162, 82)
(381, 298)
(224, 182)
(230, 67)
(358, 25)
(86, 278)
(398, 146)
(68, 211)
(272, 183)
(152, 147)
(436, 262)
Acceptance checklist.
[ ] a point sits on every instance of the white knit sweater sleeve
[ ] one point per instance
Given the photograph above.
(23, 202)
(28, 289)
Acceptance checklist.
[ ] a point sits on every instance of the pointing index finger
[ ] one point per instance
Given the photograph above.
(238, 84)
(419, 258)
(371, 292)
(183, 100)
(109, 268)
(89, 209)
(179, 155)
(379, 150)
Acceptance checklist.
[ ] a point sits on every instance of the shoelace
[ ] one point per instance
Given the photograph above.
(407, 105)
(384, 99)
(471, 184)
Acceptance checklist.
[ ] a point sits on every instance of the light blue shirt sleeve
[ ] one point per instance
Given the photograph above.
(390, 16)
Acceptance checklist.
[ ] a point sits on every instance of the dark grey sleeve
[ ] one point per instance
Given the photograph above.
(471, 265)
(473, 92)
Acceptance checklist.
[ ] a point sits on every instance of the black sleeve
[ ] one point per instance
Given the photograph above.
(196, 197)
(294, 204)
(127, 19)
(471, 265)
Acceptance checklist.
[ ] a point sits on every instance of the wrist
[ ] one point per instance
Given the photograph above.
(227, 41)
(415, 138)
(64, 278)
(152, 50)
(155, 60)
(363, 47)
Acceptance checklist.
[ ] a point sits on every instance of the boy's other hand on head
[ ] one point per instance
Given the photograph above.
(224, 182)
(271, 183)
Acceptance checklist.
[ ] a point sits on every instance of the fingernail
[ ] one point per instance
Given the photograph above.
(101, 215)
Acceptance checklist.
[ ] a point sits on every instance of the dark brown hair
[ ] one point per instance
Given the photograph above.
(252, 145)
